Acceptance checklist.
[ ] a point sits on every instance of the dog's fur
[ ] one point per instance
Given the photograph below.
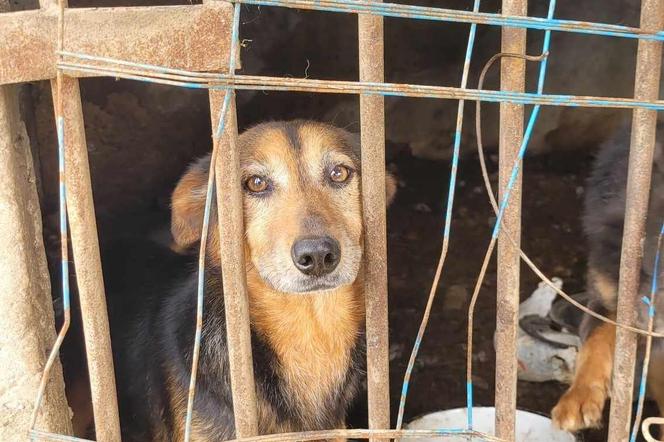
(307, 331)
(582, 405)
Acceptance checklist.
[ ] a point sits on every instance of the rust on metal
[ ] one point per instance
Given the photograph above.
(231, 234)
(513, 74)
(77, 64)
(236, 302)
(372, 123)
(414, 12)
(188, 37)
(85, 247)
(89, 279)
(360, 433)
(642, 147)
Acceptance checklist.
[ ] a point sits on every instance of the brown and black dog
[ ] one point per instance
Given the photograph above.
(582, 405)
(303, 252)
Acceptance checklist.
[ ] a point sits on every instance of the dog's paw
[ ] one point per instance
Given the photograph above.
(580, 408)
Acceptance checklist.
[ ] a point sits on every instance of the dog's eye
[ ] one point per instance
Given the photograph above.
(339, 174)
(256, 184)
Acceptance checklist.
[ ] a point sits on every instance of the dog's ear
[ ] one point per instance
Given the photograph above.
(390, 187)
(188, 206)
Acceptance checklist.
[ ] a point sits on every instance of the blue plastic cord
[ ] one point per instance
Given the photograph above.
(456, 16)
(64, 263)
(455, 160)
(469, 404)
(450, 198)
(200, 289)
(344, 87)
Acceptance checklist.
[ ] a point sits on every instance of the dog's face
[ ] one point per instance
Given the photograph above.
(302, 205)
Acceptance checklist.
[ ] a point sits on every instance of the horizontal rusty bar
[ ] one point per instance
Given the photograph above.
(441, 433)
(189, 37)
(264, 83)
(414, 12)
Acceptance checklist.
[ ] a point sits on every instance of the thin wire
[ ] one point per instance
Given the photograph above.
(64, 252)
(457, 16)
(514, 174)
(650, 303)
(446, 232)
(206, 227)
(492, 199)
(264, 83)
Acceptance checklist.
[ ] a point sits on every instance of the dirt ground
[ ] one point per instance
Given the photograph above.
(552, 197)
(552, 237)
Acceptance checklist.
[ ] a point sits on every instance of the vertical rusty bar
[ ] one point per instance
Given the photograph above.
(27, 321)
(231, 233)
(89, 278)
(512, 78)
(372, 123)
(85, 245)
(236, 302)
(644, 122)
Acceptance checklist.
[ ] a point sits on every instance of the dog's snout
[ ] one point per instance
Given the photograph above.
(316, 255)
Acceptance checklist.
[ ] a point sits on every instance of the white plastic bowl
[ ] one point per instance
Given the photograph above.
(530, 427)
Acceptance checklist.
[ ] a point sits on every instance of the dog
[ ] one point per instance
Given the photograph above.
(582, 405)
(304, 266)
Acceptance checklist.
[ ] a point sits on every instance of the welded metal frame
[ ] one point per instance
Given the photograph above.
(372, 89)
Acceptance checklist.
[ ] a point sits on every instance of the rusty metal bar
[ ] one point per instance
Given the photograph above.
(231, 242)
(414, 12)
(236, 302)
(85, 245)
(196, 80)
(25, 289)
(202, 254)
(353, 434)
(644, 122)
(372, 123)
(187, 37)
(512, 78)
(89, 278)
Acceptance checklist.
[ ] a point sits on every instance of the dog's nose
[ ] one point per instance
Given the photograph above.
(316, 255)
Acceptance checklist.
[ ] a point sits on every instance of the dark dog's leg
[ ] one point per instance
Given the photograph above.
(582, 405)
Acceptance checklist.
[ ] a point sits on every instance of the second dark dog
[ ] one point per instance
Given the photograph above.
(582, 405)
